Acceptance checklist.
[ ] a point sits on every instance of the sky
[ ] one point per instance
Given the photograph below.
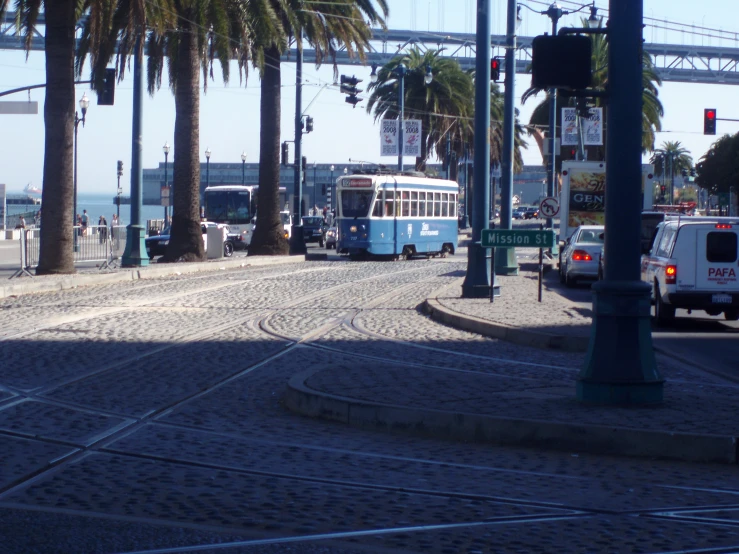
(229, 114)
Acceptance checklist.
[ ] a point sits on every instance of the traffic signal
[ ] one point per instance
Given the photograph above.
(495, 69)
(303, 163)
(349, 86)
(308, 124)
(709, 121)
(120, 168)
(561, 61)
(662, 189)
(107, 96)
(285, 153)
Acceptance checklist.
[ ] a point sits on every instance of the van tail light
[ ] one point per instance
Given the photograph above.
(581, 256)
(723, 226)
(671, 274)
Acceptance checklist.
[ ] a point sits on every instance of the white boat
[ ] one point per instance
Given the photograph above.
(30, 189)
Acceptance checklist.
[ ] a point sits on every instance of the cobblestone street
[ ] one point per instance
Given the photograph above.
(148, 416)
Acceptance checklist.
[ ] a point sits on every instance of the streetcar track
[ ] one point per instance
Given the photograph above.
(160, 411)
(106, 444)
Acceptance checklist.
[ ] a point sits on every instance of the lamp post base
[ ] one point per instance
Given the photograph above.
(135, 253)
(620, 367)
(505, 261)
(477, 281)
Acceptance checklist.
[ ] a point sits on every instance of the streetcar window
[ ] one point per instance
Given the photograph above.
(355, 203)
(445, 205)
(377, 206)
(406, 203)
(389, 203)
(422, 204)
(414, 204)
(452, 205)
(437, 204)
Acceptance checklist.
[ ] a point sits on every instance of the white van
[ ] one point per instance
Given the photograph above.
(694, 264)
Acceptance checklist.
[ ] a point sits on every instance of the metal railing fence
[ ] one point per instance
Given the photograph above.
(96, 243)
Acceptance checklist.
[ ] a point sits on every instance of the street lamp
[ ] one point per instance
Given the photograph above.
(314, 184)
(84, 104)
(207, 166)
(120, 190)
(400, 73)
(243, 168)
(165, 149)
(333, 187)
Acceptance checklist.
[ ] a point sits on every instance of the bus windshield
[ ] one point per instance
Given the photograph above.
(228, 206)
(355, 203)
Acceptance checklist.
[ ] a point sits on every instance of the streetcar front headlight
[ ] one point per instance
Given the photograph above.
(353, 229)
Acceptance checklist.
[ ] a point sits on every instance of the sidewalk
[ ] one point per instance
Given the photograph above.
(698, 421)
(93, 276)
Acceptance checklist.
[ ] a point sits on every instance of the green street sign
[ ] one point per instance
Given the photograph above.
(508, 238)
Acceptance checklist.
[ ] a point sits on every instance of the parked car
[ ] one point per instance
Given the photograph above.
(156, 245)
(314, 229)
(332, 235)
(580, 253)
(531, 212)
(518, 213)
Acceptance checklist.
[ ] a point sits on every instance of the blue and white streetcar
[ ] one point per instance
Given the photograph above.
(397, 215)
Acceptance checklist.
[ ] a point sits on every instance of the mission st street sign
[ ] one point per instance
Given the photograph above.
(507, 238)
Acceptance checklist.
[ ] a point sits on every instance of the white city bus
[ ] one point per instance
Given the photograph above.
(236, 206)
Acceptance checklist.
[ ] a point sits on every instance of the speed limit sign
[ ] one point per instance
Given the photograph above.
(549, 207)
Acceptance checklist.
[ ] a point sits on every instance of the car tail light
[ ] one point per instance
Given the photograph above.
(671, 274)
(581, 256)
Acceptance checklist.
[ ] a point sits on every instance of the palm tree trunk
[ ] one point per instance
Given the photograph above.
(56, 254)
(186, 237)
(268, 237)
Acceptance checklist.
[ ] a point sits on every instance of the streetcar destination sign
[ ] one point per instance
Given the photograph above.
(507, 238)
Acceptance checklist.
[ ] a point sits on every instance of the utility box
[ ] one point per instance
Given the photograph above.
(214, 243)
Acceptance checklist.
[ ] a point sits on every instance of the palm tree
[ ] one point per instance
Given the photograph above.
(652, 110)
(340, 23)
(671, 159)
(55, 256)
(444, 105)
(191, 34)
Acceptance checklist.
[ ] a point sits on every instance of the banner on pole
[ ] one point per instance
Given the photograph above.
(389, 137)
(569, 126)
(411, 137)
(593, 128)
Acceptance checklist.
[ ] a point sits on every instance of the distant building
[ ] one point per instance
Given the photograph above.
(532, 182)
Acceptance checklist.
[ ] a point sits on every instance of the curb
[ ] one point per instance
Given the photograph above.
(516, 335)
(459, 426)
(51, 283)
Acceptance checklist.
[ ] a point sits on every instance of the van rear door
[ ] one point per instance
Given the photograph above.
(717, 267)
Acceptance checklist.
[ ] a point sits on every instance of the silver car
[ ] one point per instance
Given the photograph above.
(579, 256)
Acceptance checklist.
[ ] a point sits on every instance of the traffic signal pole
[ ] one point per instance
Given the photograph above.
(620, 365)
(505, 258)
(297, 244)
(477, 281)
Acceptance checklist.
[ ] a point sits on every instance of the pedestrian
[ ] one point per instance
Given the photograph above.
(103, 229)
(21, 223)
(84, 222)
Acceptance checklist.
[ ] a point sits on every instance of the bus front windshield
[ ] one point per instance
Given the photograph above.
(228, 206)
(355, 203)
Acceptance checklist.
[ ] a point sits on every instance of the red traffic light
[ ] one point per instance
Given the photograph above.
(709, 121)
(494, 69)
